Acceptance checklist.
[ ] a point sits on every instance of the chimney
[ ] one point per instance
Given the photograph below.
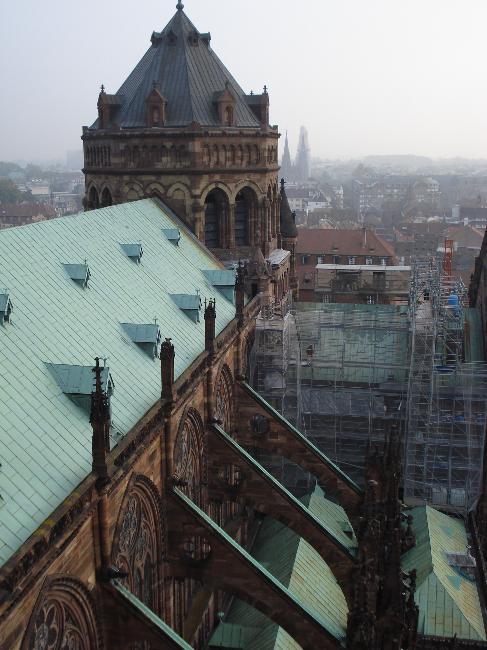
(240, 293)
(210, 321)
(167, 372)
(100, 423)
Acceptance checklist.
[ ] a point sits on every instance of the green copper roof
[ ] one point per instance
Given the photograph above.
(448, 602)
(45, 438)
(299, 568)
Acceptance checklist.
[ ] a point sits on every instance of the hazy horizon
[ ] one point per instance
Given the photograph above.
(375, 78)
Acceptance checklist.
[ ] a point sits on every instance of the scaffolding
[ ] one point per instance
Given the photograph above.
(341, 371)
(353, 375)
(447, 396)
(338, 371)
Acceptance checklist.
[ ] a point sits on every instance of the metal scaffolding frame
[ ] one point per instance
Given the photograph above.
(447, 396)
(341, 371)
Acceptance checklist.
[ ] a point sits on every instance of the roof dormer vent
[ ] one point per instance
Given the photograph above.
(190, 304)
(193, 38)
(134, 251)
(156, 38)
(173, 235)
(79, 273)
(77, 382)
(6, 307)
(172, 38)
(206, 38)
(224, 281)
(146, 336)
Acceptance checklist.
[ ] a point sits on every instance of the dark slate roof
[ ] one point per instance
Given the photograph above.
(187, 75)
(288, 224)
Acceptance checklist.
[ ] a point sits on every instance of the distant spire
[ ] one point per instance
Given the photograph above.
(286, 164)
(180, 6)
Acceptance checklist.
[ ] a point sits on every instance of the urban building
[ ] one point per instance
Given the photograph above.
(331, 250)
(19, 214)
(306, 199)
(395, 195)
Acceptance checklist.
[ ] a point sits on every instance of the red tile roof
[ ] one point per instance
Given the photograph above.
(320, 241)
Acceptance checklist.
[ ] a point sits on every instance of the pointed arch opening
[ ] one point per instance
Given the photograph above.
(138, 547)
(106, 198)
(93, 198)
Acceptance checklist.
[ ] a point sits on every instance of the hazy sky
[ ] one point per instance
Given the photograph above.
(365, 76)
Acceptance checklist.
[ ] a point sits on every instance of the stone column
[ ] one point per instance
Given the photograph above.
(230, 222)
(199, 220)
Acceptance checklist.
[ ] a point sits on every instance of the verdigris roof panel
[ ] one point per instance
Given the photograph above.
(45, 437)
(448, 601)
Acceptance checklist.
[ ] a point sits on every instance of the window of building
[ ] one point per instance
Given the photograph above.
(326, 297)
(351, 260)
(229, 116)
(369, 261)
(321, 259)
(371, 300)
(336, 259)
(305, 259)
(383, 261)
(156, 115)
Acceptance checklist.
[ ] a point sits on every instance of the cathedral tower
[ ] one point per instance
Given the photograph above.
(181, 128)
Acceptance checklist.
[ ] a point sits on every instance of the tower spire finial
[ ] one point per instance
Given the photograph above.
(179, 6)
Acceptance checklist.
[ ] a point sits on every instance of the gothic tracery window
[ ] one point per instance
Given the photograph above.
(63, 619)
(224, 399)
(138, 548)
(189, 460)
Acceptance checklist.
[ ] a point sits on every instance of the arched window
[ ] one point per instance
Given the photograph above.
(156, 115)
(106, 198)
(93, 199)
(138, 544)
(229, 116)
(189, 468)
(224, 405)
(62, 618)
(242, 214)
(216, 212)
